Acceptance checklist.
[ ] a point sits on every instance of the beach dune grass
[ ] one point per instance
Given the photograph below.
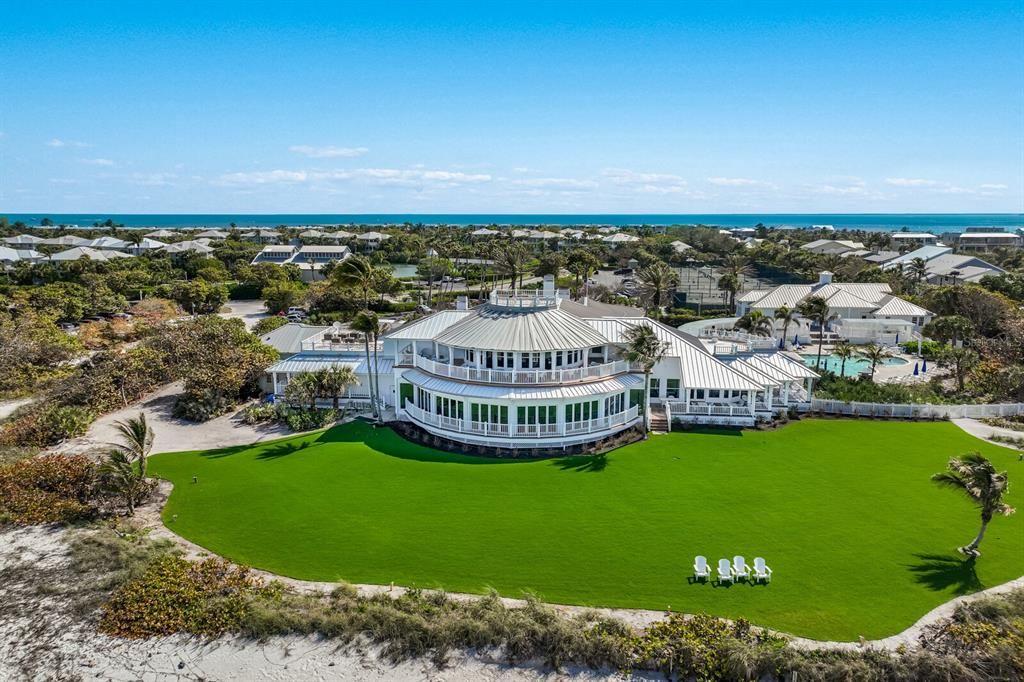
(860, 541)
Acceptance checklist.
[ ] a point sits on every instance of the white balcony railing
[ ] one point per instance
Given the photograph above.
(519, 376)
(523, 298)
(520, 430)
(681, 408)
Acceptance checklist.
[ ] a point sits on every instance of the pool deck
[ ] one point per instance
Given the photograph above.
(884, 374)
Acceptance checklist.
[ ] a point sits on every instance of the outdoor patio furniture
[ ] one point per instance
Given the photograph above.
(725, 571)
(740, 568)
(761, 570)
(701, 570)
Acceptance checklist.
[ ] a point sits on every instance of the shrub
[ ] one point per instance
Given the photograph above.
(49, 489)
(202, 405)
(258, 414)
(46, 426)
(930, 349)
(208, 597)
(268, 324)
(308, 420)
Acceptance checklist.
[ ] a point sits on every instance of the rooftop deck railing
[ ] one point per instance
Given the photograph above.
(523, 298)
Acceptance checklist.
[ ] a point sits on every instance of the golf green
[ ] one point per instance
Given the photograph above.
(860, 541)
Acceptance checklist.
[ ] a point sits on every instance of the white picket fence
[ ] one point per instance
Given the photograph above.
(915, 411)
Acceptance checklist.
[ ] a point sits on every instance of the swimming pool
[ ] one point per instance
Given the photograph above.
(854, 365)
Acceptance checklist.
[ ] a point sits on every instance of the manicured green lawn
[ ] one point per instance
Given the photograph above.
(860, 541)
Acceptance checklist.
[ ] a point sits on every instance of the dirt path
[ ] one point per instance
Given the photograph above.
(173, 434)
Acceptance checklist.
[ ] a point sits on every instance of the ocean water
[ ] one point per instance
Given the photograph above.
(916, 222)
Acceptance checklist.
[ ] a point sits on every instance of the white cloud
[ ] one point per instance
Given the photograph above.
(153, 179)
(327, 152)
(953, 189)
(739, 182)
(988, 185)
(98, 162)
(853, 188)
(646, 183)
(912, 182)
(566, 184)
(416, 178)
(57, 143)
(264, 177)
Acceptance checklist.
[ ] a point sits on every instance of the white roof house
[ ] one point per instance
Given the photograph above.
(108, 242)
(680, 247)
(867, 312)
(199, 246)
(373, 237)
(144, 245)
(213, 234)
(66, 240)
(484, 232)
(621, 238)
(24, 239)
(87, 252)
(533, 369)
(162, 234)
(832, 246)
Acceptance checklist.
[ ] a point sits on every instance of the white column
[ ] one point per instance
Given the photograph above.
(560, 417)
(273, 378)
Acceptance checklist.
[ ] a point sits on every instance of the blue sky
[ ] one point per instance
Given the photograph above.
(489, 107)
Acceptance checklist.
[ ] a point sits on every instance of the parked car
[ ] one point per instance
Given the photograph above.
(623, 271)
(295, 318)
(295, 310)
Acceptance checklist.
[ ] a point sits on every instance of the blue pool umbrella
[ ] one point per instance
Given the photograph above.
(897, 338)
(782, 343)
(915, 369)
(795, 337)
(924, 365)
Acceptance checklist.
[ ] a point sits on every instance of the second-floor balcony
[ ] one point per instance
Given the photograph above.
(500, 375)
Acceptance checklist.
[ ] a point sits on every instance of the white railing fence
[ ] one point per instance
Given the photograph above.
(519, 376)
(507, 430)
(915, 410)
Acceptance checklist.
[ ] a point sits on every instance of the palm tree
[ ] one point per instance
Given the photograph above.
(875, 354)
(816, 309)
(961, 360)
(918, 269)
(512, 260)
(786, 316)
(978, 479)
(358, 273)
(844, 351)
(656, 281)
(582, 263)
(136, 440)
(368, 324)
(645, 348)
(755, 322)
(730, 284)
(124, 471)
(336, 379)
(304, 388)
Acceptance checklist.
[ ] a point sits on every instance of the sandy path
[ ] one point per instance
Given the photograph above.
(40, 640)
(249, 312)
(172, 434)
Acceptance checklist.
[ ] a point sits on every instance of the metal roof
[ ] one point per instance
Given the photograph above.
(925, 252)
(496, 327)
(899, 307)
(698, 367)
(23, 239)
(66, 240)
(790, 364)
(288, 338)
(430, 326)
(753, 295)
(315, 360)
(162, 234)
(496, 392)
(772, 369)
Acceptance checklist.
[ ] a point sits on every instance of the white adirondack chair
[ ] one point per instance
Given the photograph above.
(725, 571)
(761, 570)
(740, 568)
(701, 570)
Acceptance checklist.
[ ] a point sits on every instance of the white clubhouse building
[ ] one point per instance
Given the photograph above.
(534, 369)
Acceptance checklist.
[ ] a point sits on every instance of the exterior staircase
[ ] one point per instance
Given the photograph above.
(658, 419)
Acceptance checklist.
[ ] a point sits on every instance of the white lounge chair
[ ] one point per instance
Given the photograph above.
(701, 570)
(761, 570)
(725, 571)
(740, 568)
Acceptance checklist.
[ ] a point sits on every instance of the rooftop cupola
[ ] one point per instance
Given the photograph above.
(824, 277)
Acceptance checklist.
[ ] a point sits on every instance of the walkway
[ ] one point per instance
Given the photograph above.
(979, 429)
(172, 434)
